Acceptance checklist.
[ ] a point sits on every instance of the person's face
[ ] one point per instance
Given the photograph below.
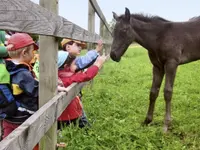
(74, 49)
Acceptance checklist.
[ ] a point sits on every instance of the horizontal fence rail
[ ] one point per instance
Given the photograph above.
(26, 16)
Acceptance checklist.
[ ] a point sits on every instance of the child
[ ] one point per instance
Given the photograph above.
(81, 62)
(24, 85)
(74, 110)
(4, 75)
(3, 48)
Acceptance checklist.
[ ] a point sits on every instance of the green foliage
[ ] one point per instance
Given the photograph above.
(117, 105)
(35, 37)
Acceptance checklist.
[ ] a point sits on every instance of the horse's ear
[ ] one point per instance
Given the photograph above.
(115, 16)
(127, 14)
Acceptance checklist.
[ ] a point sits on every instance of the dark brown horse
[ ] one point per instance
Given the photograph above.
(194, 18)
(169, 44)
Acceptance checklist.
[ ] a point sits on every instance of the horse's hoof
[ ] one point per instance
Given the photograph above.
(146, 121)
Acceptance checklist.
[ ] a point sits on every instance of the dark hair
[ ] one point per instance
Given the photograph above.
(68, 61)
(68, 43)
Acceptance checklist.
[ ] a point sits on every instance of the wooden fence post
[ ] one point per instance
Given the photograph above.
(48, 76)
(91, 28)
(102, 33)
(91, 22)
(107, 37)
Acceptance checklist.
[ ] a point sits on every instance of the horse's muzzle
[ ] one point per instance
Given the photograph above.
(114, 57)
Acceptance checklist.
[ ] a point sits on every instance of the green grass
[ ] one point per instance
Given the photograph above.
(117, 105)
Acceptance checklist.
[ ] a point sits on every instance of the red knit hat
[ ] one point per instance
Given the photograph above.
(20, 40)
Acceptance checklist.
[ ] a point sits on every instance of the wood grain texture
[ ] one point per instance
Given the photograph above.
(48, 76)
(100, 14)
(102, 34)
(91, 23)
(26, 16)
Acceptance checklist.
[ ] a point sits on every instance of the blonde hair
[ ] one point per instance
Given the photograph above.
(17, 53)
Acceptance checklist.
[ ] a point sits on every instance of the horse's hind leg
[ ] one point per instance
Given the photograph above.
(170, 71)
(158, 74)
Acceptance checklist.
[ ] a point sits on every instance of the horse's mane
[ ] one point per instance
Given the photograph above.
(194, 18)
(155, 19)
(151, 18)
(147, 17)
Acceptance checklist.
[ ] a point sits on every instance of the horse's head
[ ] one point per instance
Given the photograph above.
(123, 35)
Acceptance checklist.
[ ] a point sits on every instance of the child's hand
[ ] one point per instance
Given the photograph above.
(60, 83)
(99, 46)
(100, 61)
(62, 89)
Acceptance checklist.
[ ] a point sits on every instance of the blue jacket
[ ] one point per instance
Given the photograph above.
(86, 60)
(25, 91)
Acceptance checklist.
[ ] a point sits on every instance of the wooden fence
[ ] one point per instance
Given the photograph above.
(26, 16)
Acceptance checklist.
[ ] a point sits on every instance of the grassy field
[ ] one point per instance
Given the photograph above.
(117, 105)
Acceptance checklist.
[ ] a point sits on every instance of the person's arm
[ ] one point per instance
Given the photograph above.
(61, 89)
(81, 76)
(27, 83)
(89, 74)
(87, 60)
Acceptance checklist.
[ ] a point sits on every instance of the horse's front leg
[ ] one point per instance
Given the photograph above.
(170, 71)
(158, 74)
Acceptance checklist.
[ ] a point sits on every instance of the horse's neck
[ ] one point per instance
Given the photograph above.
(146, 33)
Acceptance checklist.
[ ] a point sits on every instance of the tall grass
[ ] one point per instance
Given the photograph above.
(117, 104)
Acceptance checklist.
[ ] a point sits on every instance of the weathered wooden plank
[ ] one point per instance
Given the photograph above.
(101, 32)
(91, 29)
(26, 16)
(26, 136)
(108, 37)
(91, 23)
(48, 75)
(91, 18)
(100, 14)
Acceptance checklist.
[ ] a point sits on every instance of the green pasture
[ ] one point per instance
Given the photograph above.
(117, 104)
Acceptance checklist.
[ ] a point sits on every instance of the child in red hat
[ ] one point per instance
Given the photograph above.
(24, 85)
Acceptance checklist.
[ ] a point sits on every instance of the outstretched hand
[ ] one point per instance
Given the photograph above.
(100, 61)
(99, 46)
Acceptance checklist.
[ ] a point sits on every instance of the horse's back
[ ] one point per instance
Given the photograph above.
(180, 41)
